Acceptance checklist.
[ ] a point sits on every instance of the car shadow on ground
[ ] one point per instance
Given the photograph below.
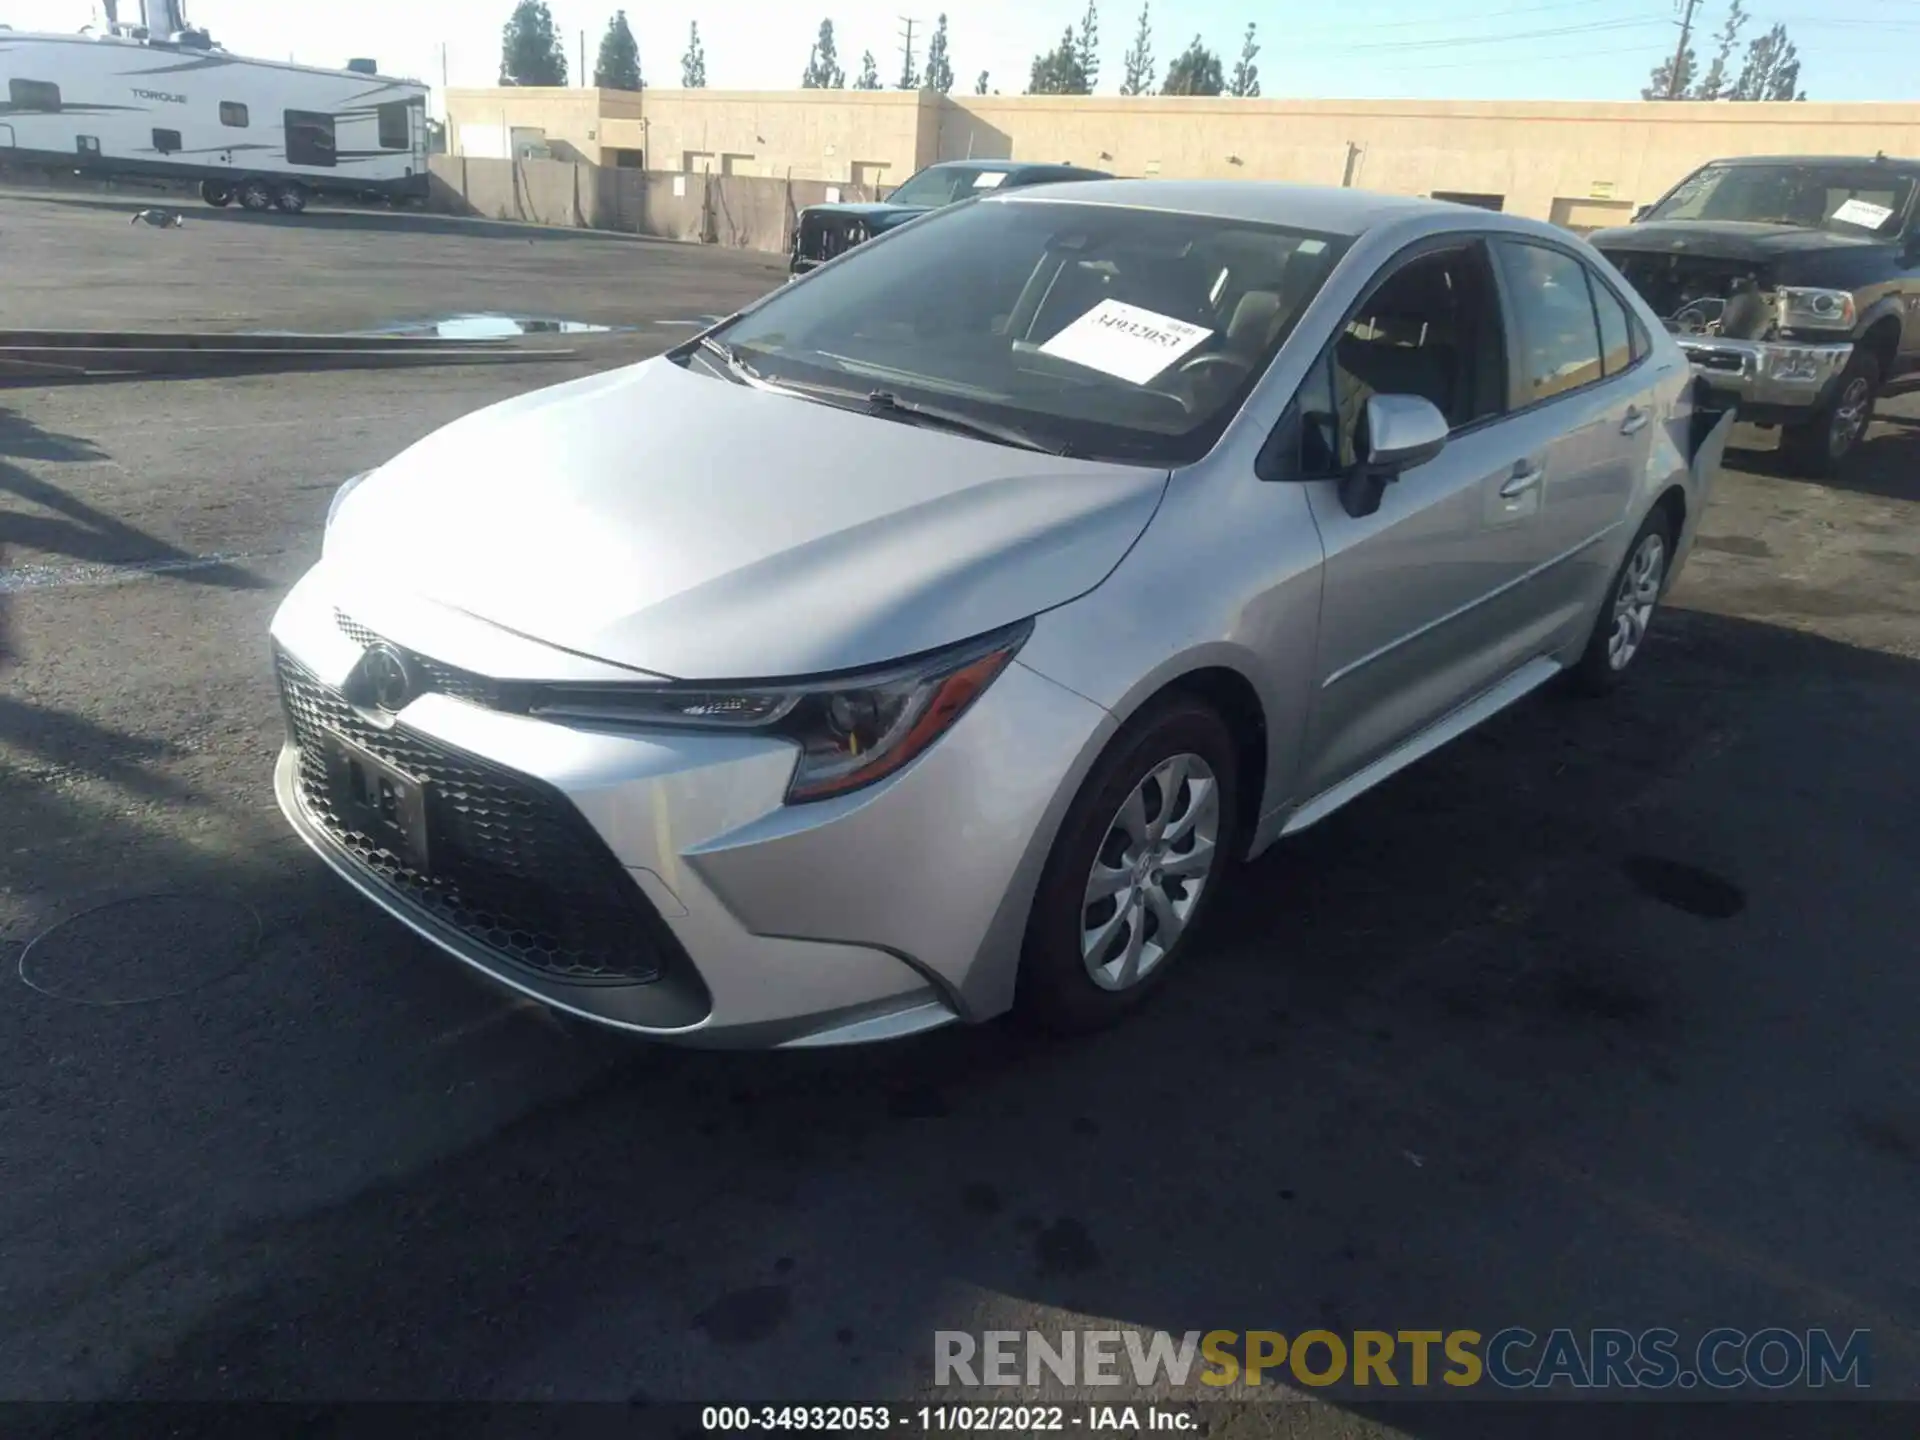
(1886, 464)
(1531, 1035)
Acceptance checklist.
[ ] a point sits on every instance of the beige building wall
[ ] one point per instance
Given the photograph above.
(1582, 164)
(857, 137)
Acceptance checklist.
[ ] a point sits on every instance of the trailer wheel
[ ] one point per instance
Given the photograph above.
(290, 199)
(216, 194)
(255, 195)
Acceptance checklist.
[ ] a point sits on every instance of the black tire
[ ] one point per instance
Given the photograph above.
(255, 195)
(1056, 988)
(1601, 666)
(216, 194)
(290, 199)
(1820, 447)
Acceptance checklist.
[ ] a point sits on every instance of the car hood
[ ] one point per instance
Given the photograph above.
(873, 212)
(691, 527)
(1723, 239)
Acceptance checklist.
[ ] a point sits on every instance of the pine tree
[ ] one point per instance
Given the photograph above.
(693, 64)
(1086, 50)
(1771, 70)
(869, 73)
(1246, 74)
(980, 85)
(1196, 71)
(939, 76)
(1139, 61)
(530, 48)
(1665, 84)
(1059, 72)
(823, 65)
(1716, 82)
(618, 67)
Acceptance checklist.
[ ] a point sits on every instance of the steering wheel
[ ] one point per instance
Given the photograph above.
(1212, 357)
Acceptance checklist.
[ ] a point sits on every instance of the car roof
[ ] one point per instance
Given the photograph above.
(1330, 210)
(1015, 167)
(1905, 167)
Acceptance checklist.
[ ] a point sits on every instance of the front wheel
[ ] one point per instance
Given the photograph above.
(1620, 632)
(216, 194)
(1139, 858)
(256, 195)
(1820, 445)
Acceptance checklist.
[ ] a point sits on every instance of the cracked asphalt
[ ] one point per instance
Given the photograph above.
(1604, 1015)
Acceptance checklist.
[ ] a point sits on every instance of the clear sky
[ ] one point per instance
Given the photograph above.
(1380, 49)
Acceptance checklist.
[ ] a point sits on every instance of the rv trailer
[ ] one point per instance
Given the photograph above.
(172, 105)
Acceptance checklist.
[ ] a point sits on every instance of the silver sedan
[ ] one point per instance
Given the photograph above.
(930, 639)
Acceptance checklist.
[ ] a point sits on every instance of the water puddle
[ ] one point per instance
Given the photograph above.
(492, 327)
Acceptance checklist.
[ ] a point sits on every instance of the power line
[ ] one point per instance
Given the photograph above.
(1481, 64)
(1456, 42)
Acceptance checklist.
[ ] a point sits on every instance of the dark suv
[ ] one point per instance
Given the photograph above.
(824, 231)
(1793, 285)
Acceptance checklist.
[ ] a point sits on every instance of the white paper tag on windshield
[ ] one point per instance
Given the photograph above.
(1124, 340)
(987, 179)
(1863, 212)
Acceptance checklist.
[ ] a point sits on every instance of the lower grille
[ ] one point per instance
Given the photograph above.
(515, 868)
(821, 238)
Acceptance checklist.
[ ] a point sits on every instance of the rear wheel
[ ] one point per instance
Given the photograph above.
(216, 194)
(1620, 632)
(290, 199)
(255, 195)
(1138, 860)
(1820, 446)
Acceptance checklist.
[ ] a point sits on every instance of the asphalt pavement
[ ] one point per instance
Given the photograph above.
(1604, 1015)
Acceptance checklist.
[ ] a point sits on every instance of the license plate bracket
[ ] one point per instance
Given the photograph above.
(378, 800)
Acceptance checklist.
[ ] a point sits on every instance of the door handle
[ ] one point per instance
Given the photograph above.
(1635, 422)
(1525, 476)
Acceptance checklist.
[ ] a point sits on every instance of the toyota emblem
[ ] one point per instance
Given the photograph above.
(388, 677)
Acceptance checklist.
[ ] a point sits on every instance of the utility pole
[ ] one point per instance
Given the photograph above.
(1675, 78)
(906, 70)
(585, 78)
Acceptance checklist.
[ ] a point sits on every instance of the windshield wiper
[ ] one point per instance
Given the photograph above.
(885, 402)
(730, 357)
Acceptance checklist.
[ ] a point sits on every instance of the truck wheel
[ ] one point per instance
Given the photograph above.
(290, 199)
(1820, 445)
(216, 194)
(255, 195)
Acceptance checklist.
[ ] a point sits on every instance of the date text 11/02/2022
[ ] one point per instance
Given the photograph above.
(1514, 1358)
(935, 1419)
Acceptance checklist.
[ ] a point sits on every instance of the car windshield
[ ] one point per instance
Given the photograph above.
(1096, 330)
(947, 184)
(1848, 199)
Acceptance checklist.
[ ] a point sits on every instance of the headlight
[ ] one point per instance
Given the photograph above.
(1802, 308)
(333, 506)
(851, 730)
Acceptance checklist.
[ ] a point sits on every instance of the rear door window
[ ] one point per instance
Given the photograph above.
(396, 129)
(1559, 334)
(1616, 338)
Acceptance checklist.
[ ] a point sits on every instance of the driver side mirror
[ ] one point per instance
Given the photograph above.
(1402, 433)
(1641, 213)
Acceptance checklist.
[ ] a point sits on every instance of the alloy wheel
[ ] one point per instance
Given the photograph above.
(1633, 603)
(1160, 852)
(1851, 415)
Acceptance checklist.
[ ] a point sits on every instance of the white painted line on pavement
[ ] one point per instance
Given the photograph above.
(17, 578)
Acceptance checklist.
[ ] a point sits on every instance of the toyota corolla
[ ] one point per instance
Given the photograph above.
(930, 639)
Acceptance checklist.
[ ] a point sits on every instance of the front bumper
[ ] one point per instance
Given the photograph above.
(889, 911)
(1771, 381)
